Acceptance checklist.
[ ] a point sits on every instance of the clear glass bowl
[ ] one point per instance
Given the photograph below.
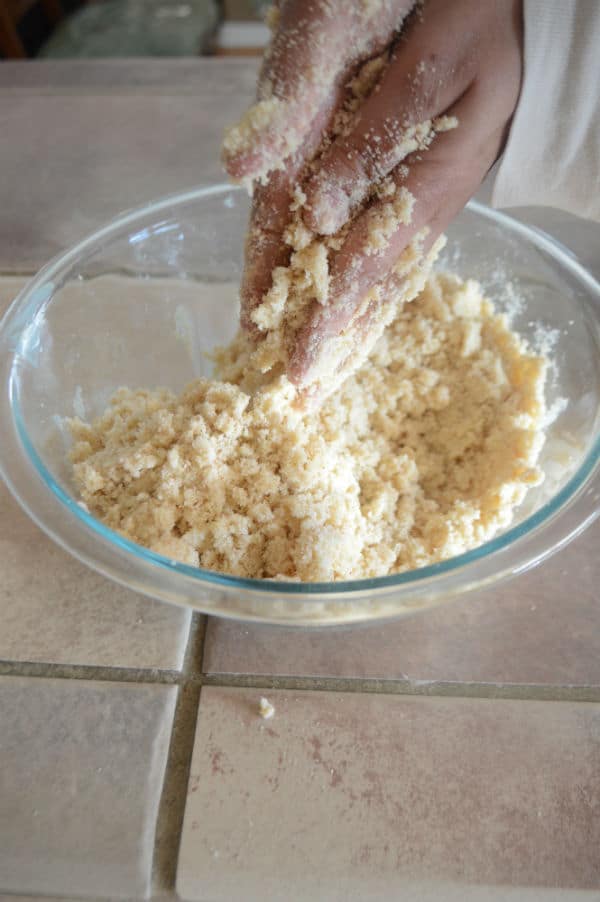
(138, 303)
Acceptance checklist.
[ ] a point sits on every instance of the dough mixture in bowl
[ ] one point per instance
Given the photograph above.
(426, 438)
(422, 453)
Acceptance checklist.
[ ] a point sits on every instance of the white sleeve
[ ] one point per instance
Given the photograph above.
(552, 157)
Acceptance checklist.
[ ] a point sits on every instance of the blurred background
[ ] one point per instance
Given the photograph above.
(80, 29)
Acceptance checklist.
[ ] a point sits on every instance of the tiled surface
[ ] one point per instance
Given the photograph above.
(579, 236)
(81, 777)
(528, 630)
(61, 612)
(9, 289)
(464, 792)
(151, 127)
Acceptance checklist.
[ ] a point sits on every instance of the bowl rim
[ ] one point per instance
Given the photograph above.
(32, 301)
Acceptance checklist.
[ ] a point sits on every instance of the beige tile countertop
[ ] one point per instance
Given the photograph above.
(450, 756)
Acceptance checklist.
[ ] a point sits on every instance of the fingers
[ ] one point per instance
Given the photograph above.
(271, 213)
(356, 344)
(441, 181)
(264, 248)
(430, 69)
(310, 57)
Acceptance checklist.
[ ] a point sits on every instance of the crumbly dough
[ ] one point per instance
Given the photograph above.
(421, 454)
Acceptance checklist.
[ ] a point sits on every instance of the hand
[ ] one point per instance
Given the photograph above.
(454, 57)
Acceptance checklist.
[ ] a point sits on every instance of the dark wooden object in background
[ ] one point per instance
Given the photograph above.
(11, 13)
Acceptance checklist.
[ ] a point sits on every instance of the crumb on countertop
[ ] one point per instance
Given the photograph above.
(266, 709)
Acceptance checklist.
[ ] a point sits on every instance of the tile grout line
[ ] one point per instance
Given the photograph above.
(99, 673)
(407, 687)
(171, 810)
(368, 685)
(19, 274)
(191, 666)
(202, 648)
